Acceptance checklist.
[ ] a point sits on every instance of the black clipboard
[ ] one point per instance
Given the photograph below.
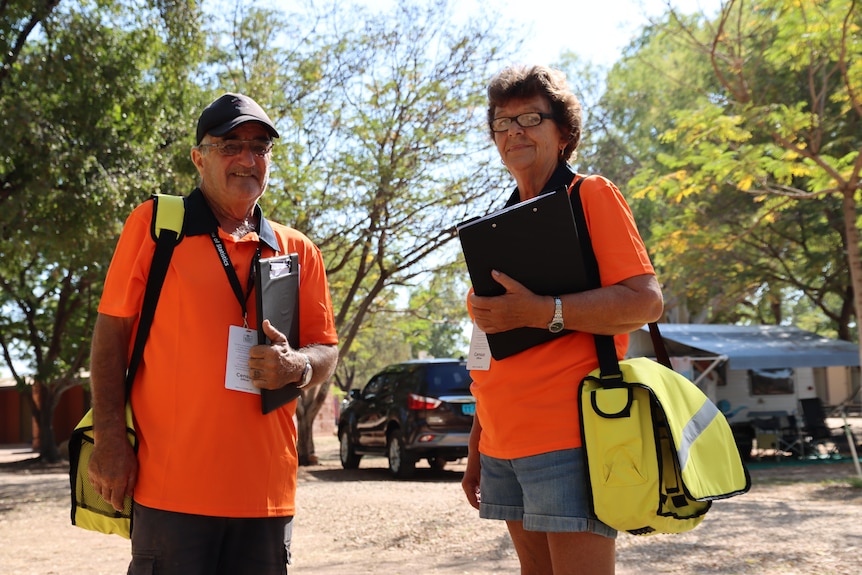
(536, 243)
(277, 287)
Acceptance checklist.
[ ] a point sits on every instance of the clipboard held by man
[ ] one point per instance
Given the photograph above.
(277, 288)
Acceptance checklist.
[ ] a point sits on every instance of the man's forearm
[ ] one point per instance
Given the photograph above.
(108, 363)
(323, 359)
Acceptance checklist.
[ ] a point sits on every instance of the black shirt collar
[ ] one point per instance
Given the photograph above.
(200, 220)
(561, 178)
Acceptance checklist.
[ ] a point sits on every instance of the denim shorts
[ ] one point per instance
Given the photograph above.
(548, 492)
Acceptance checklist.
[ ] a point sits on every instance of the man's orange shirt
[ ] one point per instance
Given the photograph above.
(527, 403)
(205, 449)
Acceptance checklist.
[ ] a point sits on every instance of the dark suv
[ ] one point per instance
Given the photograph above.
(408, 411)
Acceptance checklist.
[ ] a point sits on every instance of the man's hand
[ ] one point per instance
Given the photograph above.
(275, 365)
(113, 470)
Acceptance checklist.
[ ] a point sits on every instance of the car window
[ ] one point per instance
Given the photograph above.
(448, 378)
(373, 387)
(388, 380)
(411, 378)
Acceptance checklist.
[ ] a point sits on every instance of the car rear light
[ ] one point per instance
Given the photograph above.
(418, 402)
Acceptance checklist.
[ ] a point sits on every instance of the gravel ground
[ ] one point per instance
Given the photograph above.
(796, 520)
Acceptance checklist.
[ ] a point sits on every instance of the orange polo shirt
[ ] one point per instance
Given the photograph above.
(527, 403)
(205, 449)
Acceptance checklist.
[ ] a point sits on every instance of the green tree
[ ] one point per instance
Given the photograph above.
(18, 20)
(93, 126)
(407, 165)
(784, 128)
(744, 134)
(383, 150)
(435, 319)
(384, 147)
(430, 325)
(380, 343)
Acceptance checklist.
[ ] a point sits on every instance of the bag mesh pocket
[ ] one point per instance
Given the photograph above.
(89, 510)
(85, 496)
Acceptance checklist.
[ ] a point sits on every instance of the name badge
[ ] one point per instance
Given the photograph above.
(239, 344)
(479, 357)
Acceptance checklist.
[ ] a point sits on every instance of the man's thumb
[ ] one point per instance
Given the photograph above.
(273, 334)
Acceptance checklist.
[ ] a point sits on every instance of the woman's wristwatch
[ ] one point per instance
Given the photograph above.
(557, 324)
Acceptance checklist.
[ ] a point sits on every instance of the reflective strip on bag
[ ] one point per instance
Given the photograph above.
(693, 429)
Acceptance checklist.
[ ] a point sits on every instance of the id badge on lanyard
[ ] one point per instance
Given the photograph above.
(240, 338)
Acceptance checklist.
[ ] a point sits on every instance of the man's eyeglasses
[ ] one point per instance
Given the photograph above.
(234, 147)
(527, 120)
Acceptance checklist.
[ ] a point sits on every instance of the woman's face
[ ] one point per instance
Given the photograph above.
(529, 150)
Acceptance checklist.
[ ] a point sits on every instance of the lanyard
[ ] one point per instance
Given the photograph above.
(232, 277)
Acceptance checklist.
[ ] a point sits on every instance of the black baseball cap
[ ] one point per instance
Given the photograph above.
(228, 112)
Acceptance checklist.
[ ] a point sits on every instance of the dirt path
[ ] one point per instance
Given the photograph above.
(799, 520)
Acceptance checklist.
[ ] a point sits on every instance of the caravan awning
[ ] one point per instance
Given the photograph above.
(767, 346)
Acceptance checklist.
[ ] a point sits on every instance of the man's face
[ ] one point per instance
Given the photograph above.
(239, 178)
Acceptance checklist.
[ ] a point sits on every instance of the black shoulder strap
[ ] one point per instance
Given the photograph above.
(605, 348)
(167, 239)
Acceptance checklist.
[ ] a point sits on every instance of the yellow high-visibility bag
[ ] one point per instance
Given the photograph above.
(658, 450)
(89, 510)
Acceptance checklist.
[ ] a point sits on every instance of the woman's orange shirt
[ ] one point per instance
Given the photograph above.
(527, 403)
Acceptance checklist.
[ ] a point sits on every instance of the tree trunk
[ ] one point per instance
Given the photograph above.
(308, 406)
(44, 415)
(853, 259)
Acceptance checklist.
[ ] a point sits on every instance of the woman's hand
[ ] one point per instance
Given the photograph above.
(619, 308)
(470, 480)
(518, 307)
(473, 473)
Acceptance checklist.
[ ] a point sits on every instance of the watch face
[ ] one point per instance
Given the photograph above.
(555, 327)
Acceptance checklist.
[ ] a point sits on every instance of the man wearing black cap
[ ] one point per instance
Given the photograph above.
(214, 479)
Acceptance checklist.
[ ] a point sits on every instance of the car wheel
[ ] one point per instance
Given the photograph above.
(437, 463)
(401, 464)
(349, 458)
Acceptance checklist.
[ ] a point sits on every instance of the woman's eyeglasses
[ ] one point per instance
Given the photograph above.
(527, 120)
(234, 147)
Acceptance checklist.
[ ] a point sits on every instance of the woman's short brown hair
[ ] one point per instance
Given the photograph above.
(524, 82)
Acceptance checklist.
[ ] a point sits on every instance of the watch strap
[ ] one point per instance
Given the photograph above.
(557, 323)
(305, 376)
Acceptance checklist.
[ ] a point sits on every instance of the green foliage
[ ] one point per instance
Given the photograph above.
(382, 152)
(95, 114)
(382, 147)
(744, 134)
(430, 325)
(435, 319)
(380, 343)
(18, 20)
(736, 139)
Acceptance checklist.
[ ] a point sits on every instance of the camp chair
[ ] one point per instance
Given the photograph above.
(824, 441)
(791, 439)
(767, 436)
